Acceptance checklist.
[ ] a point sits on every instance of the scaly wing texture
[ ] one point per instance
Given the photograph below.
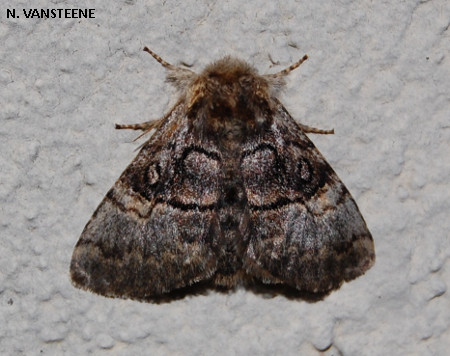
(305, 228)
(148, 235)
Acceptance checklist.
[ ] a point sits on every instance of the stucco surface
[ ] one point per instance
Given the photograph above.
(378, 73)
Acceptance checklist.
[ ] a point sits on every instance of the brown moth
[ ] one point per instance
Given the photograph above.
(228, 189)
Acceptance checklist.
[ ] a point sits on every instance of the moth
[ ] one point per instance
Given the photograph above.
(227, 190)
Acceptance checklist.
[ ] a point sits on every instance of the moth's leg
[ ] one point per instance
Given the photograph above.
(308, 129)
(144, 126)
(148, 125)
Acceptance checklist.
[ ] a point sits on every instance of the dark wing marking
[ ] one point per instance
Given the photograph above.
(147, 236)
(305, 228)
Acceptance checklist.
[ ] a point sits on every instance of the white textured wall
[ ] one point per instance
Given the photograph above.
(378, 73)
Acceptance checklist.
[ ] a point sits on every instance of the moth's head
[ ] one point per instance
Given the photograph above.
(229, 82)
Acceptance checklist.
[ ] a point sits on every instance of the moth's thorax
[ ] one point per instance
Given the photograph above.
(230, 97)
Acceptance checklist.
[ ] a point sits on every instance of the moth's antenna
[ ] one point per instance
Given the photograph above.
(159, 59)
(289, 69)
(165, 64)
